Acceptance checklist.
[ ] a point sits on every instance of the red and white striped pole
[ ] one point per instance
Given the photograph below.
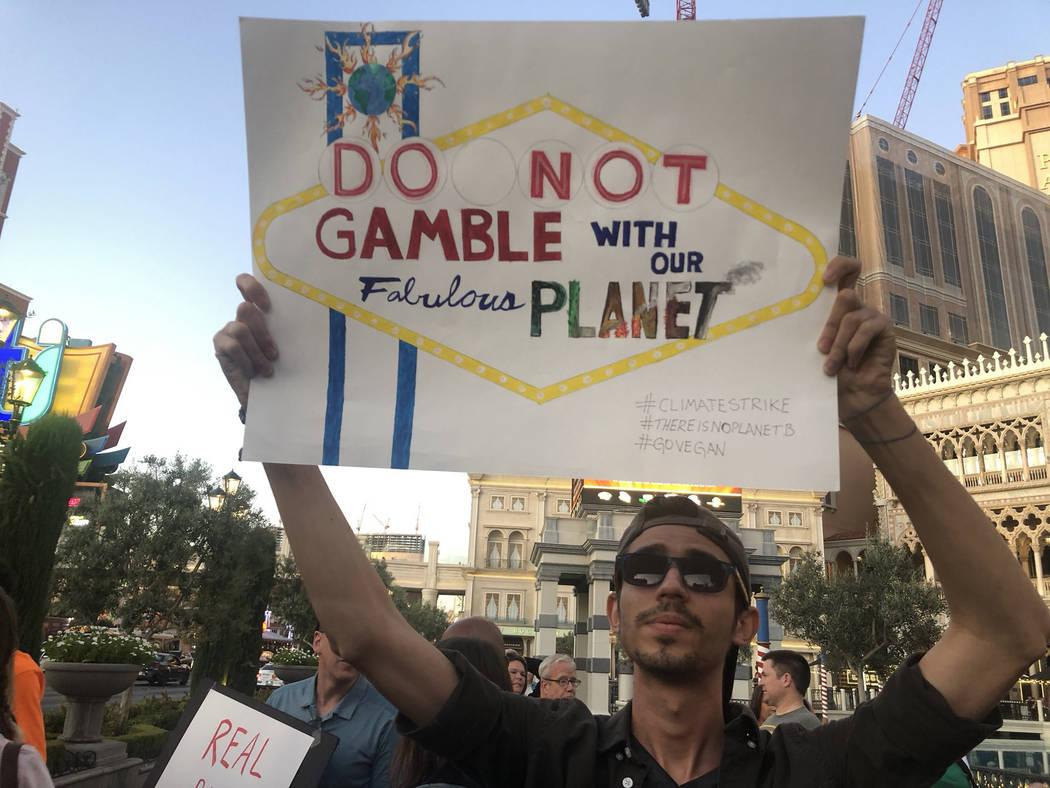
(762, 645)
(823, 688)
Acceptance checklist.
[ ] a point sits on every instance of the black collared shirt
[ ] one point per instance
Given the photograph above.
(907, 736)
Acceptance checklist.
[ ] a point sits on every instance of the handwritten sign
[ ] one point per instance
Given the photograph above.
(226, 740)
(549, 249)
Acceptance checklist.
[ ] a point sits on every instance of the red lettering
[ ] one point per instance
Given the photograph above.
(440, 228)
(246, 753)
(503, 234)
(365, 184)
(342, 235)
(541, 236)
(380, 233)
(612, 155)
(255, 763)
(541, 169)
(201, 784)
(233, 743)
(395, 174)
(685, 164)
(476, 231)
(214, 738)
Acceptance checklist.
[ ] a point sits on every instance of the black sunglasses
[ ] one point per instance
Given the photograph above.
(701, 572)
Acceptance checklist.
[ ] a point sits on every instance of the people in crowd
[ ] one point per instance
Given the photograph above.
(759, 705)
(414, 766)
(558, 677)
(28, 686)
(680, 604)
(475, 627)
(21, 765)
(518, 672)
(340, 701)
(784, 681)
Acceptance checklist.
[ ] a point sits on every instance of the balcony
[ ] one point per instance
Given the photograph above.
(511, 564)
(1012, 476)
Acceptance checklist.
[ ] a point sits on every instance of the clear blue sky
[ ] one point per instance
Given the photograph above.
(129, 217)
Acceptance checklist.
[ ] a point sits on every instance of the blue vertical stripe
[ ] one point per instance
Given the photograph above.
(333, 414)
(404, 407)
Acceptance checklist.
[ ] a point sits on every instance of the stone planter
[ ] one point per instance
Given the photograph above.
(87, 687)
(290, 673)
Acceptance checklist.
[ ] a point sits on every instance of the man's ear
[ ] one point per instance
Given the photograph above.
(318, 635)
(612, 611)
(746, 626)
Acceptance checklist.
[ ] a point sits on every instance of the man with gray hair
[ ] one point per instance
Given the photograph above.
(558, 677)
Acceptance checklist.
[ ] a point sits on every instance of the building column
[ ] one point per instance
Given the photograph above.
(546, 616)
(1038, 561)
(928, 564)
(599, 649)
(580, 651)
(430, 576)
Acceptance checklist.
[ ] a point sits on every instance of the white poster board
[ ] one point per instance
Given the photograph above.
(557, 249)
(225, 740)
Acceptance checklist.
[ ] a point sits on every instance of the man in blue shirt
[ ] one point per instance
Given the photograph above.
(341, 701)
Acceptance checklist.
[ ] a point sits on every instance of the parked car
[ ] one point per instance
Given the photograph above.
(160, 671)
(181, 666)
(267, 678)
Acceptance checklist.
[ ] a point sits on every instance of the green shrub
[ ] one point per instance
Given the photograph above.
(144, 741)
(263, 693)
(54, 720)
(56, 755)
(161, 711)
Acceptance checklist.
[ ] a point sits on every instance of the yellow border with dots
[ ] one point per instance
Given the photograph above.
(541, 394)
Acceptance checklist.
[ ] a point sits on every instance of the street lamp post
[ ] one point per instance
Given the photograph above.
(23, 381)
(217, 496)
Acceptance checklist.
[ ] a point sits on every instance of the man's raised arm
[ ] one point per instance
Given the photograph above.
(351, 602)
(999, 624)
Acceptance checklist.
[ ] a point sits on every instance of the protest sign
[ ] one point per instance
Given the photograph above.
(226, 740)
(558, 249)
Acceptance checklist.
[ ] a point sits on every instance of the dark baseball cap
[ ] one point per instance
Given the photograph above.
(679, 510)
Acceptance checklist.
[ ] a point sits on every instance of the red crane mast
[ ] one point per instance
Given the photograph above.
(918, 61)
(686, 9)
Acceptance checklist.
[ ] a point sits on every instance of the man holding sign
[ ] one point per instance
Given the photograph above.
(681, 606)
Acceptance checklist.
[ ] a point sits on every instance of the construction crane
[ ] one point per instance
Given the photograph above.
(686, 9)
(918, 61)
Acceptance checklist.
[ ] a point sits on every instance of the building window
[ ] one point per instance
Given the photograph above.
(795, 518)
(516, 550)
(942, 199)
(517, 503)
(920, 231)
(909, 364)
(899, 310)
(496, 502)
(891, 222)
(774, 518)
(883, 145)
(938, 168)
(847, 231)
(562, 506)
(1031, 79)
(492, 606)
(514, 607)
(794, 559)
(1033, 244)
(1004, 106)
(957, 329)
(912, 158)
(494, 550)
(562, 609)
(994, 291)
(929, 321)
(986, 104)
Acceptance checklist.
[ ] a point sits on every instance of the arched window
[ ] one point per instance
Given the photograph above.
(951, 459)
(969, 457)
(1033, 448)
(794, 558)
(495, 549)
(516, 550)
(843, 563)
(1033, 244)
(1011, 450)
(991, 270)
